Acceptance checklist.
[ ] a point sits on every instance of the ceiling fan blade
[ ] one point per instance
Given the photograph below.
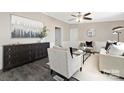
(87, 14)
(71, 19)
(73, 15)
(87, 18)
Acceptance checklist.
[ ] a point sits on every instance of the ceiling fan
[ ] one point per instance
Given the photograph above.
(79, 17)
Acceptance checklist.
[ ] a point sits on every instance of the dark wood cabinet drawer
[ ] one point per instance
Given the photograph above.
(16, 55)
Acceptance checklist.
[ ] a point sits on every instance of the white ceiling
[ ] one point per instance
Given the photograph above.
(97, 16)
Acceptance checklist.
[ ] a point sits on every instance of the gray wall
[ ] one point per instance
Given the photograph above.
(103, 31)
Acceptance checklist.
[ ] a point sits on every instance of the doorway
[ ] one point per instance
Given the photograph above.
(58, 36)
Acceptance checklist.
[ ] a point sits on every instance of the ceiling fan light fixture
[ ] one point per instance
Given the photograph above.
(78, 19)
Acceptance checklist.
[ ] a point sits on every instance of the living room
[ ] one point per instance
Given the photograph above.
(72, 34)
(61, 46)
(99, 31)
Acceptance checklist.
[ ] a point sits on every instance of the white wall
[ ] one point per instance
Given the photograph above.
(5, 33)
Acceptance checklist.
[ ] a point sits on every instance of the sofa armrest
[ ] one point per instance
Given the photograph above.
(113, 56)
(112, 64)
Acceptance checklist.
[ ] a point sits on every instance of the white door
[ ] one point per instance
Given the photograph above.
(74, 37)
(57, 36)
(74, 34)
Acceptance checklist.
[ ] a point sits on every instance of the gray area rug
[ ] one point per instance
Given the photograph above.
(35, 71)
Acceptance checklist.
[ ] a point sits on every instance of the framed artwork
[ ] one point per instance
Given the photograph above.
(22, 27)
(91, 32)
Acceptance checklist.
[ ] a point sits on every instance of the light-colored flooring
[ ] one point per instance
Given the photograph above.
(90, 72)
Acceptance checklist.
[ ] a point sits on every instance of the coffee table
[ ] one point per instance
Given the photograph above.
(87, 54)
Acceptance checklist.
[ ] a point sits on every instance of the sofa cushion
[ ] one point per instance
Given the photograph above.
(116, 50)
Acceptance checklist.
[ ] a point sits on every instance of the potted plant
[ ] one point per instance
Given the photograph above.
(43, 32)
(81, 46)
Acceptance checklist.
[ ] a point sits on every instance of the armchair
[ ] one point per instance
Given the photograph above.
(63, 63)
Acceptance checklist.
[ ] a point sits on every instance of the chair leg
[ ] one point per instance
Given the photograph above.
(66, 79)
(80, 68)
(51, 71)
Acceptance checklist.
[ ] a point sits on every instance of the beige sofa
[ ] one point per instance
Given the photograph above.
(112, 64)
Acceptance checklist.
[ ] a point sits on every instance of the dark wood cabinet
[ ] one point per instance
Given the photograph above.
(16, 55)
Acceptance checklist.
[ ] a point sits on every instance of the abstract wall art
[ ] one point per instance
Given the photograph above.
(22, 27)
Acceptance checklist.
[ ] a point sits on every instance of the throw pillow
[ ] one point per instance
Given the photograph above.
(108, 43)
(123, 54)
(89, 44)
(116, 50)
(71, 51)
(115, 43)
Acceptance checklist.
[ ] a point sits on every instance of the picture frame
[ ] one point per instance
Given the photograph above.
(91, 32)
(22, 27)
